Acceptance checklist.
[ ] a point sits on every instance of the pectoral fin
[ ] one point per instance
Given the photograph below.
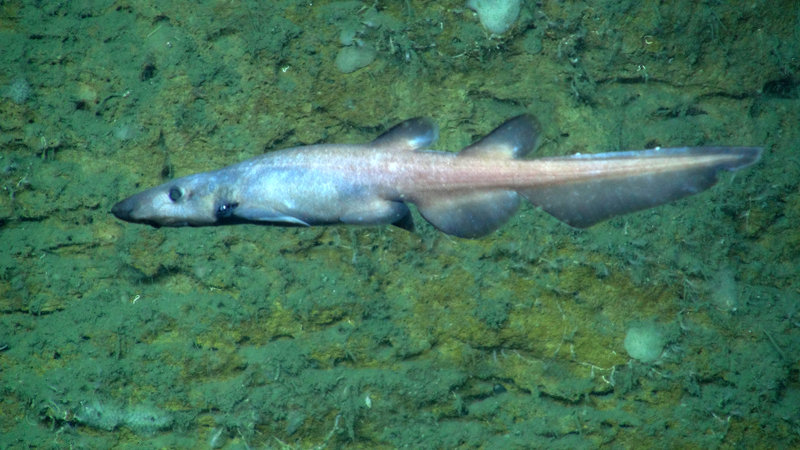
(244, 214)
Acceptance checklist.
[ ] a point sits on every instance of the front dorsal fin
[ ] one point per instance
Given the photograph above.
(413, 134)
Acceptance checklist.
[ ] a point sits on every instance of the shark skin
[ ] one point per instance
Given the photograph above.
(467, 194)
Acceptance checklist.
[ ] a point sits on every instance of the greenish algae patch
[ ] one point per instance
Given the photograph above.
(375, 337)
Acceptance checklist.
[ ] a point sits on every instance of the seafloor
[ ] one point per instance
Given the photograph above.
(115, 335)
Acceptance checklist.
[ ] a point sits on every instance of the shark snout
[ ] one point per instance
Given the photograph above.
(127, 210)
(123, 210)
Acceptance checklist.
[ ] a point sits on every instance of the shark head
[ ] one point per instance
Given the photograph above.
(194, 200)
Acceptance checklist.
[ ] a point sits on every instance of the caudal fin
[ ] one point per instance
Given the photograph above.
(624, 182)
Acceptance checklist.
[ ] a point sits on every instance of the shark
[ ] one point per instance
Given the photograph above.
(468, 194)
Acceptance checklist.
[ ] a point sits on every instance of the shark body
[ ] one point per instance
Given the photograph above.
(467, 194)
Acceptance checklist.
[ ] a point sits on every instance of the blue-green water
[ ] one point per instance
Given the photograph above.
(118, 335)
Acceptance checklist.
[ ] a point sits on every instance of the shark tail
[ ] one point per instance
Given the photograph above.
(637, 180)
(606, 184)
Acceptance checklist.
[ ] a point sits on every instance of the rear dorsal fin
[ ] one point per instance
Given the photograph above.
(512, 140)
(413, 134)
(478, 213)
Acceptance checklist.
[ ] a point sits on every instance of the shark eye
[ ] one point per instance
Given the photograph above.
(175, 193)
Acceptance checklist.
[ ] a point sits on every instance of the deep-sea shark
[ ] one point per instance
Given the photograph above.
(467, 194)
